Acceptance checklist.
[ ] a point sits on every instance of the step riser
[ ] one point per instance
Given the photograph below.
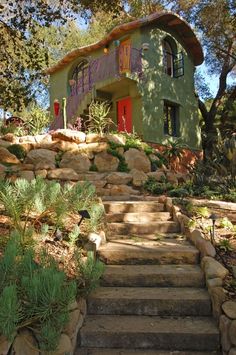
(138, 352)
(133, 208)
(167, 341)
(160, 258)
(150, 307)
(136, 217)
(165, 227)
(153, 281)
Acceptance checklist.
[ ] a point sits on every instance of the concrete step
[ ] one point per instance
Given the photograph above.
(133, 206)
(153, 276)
(101, 351)
(148, 252)
(143, 217)
(144, 228)
(146, 332)
(150, 301)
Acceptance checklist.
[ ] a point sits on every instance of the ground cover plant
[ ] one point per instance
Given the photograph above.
(43, 263)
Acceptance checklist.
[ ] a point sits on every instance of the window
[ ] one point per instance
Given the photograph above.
(171, 113)
(173, 62)
(79, 81)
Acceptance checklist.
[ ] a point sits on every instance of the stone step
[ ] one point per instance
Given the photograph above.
(148, 237)
(101, 351)
(150, 332)
(148, 252)
(133, 206)
(143, 217)
(150, 301)
(153, 276)
(144, 228)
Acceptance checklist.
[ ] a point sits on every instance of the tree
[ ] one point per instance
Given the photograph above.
(23, 50)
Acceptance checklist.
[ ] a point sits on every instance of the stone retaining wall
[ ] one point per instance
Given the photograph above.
(69, 155)
(223, 310)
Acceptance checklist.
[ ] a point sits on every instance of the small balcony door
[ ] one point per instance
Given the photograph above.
(124, 113)
(124, 57)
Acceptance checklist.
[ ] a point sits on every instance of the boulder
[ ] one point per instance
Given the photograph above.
(43, 173)
(95, 137)
(63, 174)
(232, 332)
(27, 175)
(118, 178)
(102, 191)
(207, 249)
(72, 323)
(213, 268)
(64, 345)
(157, 175)
(93, 147)
(217, 282)
(26, 167)
(116, 138)
(64, 146)
(137, 159)
(2, 171)
(41, 156)
(139, 177)
(4, 144)
(232, 351)
(44, 166)
(217, 298)
(224, 325)
(69, 135)
(9, 137)
(77, 161)
(25, 344)
(92, 176)
(7, 157)
(106, 162)
(229, 307)
(122, 190)
(172, 178)
(27, 139)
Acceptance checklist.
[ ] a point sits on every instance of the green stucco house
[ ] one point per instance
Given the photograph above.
(145, 69)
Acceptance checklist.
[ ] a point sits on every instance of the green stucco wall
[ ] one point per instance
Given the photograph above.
(147, 94)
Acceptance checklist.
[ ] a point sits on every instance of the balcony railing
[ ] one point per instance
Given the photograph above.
(98, 70)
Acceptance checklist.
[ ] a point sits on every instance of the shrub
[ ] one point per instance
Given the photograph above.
(93, 167)
(36, 119)
(33, 295)
(157, 188)
(18, 151)
(98, 120)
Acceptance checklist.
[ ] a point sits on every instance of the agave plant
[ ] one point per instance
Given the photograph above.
(98, 120)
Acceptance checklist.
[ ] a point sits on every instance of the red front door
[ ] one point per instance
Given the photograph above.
(124, 110)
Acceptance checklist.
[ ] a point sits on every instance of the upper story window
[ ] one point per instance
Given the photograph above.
(79, 79)
(173, 62)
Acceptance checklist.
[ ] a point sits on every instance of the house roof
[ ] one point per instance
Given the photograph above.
(169, 19)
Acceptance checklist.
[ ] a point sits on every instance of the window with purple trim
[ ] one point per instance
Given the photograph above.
(171, 119)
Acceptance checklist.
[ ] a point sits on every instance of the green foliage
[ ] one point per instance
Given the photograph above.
(93, 167)
(58, 158)
(96, 212)
(18, 151)
(147, 149)
(179, 192)
(36, 119)
(132, 141)
(74, 235)
(225, 245)
(98, 120)
(90, 272)
(225, 223)
(122, 167)
(30, 203)
(33, 294)
(157, 188)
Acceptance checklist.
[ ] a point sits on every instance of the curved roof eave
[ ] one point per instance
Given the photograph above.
(169, 19)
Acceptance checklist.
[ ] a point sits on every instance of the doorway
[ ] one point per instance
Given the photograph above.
(124, 115)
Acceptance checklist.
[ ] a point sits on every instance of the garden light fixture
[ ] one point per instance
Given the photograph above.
(145, 46)
(213, 217)
(84, 215)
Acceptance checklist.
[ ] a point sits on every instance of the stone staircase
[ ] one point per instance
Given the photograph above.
(152, 299)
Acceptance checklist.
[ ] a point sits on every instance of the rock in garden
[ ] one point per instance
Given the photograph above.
(4, 144)
(213, 268)
(25, 344)
(106, 162)
(69, 135)
(232, 351)
(116, 138)
(64, 345)
(139, 177)
(207, 249)
(4, 345)
(93, 147)
(137, 159)
(77, 161)
(7, 157)
(63, 174)
(65, 146)
(171, 177)
(95, 137)
(229, 307)
(27, 139)
(122, 190)
(74, 317)
(217, 298)
(232, 332)
(43, 173)
(41, 156)
(10, 137)
(217, 282)
(224, 332)
(27, 175)
(118, 178)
